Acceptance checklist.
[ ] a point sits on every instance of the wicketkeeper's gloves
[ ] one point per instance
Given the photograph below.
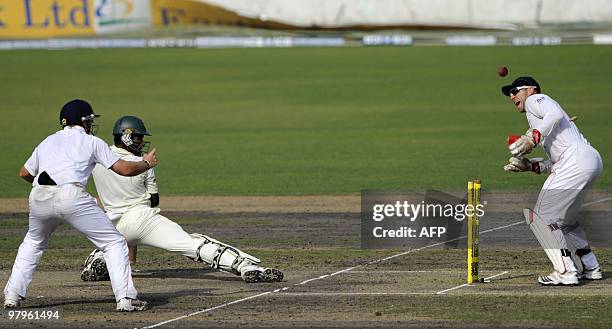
(526, 143)
(523, 164)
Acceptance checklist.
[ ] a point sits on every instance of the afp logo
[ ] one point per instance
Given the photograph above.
(111, 12)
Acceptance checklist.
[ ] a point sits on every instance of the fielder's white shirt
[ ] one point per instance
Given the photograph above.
(559, 133)
(119, 193)
(69, 156)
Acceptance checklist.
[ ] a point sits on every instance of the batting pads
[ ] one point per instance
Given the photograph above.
(222, 256)
(550, 237)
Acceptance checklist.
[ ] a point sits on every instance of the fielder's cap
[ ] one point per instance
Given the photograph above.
(520, 82)
(75, 111)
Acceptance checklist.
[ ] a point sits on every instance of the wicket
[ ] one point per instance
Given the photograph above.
(473, 189)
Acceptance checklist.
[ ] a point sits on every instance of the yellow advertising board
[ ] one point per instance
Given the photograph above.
(21, 19)
(187, 12)
(46, 18)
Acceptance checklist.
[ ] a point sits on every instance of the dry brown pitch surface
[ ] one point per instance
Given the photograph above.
(330, 281)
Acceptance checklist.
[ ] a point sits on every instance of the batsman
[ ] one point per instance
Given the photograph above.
(573, 166)
(131, 204)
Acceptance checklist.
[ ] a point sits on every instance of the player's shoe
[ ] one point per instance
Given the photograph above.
(95, 268)
(131, 305)
(254, 273)
(557, 279)
(594, 274)
(11, 303)
(12, 300)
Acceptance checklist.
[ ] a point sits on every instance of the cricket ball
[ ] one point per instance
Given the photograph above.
(503, 71)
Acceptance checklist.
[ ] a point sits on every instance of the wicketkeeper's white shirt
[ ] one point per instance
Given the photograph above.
(119, 193)
(559, 133)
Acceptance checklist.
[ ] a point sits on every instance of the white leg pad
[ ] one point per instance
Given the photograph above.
(575, 258)
(222, 256)
(549, 237)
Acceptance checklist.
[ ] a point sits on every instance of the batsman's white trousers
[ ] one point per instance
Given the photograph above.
(565, 189)
(70, 203)
(144, 225)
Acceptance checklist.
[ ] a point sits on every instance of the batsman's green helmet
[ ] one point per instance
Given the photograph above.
(134, 124)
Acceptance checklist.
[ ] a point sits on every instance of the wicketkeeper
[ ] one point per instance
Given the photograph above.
(574, 166)
(131, 203)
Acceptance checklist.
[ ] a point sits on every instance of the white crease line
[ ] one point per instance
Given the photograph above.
(325, 276)
(346, 270)
(208, 309)
(317, 278)
(469, 285)
(415, 250)
(596, 201)
(352, 293)
(405, 271)
(305, 282)
(496, 275)
(502, 227)
(453, 288)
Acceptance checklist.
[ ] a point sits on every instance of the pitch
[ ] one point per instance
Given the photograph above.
(330, 282)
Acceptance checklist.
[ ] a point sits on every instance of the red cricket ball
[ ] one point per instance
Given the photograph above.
(503, 71)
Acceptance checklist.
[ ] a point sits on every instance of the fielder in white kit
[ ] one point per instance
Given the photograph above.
(59, 169)
(574, 166)
(131, 203)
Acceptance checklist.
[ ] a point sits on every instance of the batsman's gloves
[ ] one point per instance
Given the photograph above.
(526, 143)
(523, 164)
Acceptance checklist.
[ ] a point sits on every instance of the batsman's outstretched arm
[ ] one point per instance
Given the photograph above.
(133, 168)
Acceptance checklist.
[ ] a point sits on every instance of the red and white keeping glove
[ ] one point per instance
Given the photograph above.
(523, 164)
(525, 144)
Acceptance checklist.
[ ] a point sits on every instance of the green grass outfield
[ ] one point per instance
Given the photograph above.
(307, 121)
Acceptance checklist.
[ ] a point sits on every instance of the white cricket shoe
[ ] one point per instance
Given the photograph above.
(594, 274)
(11, 302)
(130, 305)
(557, 279)
(255, 273)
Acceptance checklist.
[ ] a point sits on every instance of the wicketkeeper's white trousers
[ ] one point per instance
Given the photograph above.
(564, 191)
(70, 203)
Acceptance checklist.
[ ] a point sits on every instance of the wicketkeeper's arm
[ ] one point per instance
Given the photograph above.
(552, 114)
